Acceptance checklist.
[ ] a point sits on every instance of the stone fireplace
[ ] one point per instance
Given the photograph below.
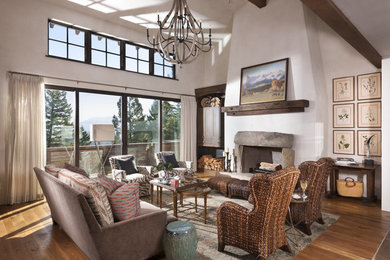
(253, 147)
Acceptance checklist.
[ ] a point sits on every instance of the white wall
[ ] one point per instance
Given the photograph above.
(386, 133)
(23, 48)
(277, 31)
(317, 55)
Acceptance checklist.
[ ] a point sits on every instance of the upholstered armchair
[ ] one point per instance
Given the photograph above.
(143, 177)
(261, 230)
(316, 174)
(181, 168)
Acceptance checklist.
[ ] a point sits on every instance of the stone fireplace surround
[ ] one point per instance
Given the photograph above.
(252, 147)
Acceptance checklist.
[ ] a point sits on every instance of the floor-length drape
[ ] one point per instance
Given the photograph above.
(25, 137)
(188, 130)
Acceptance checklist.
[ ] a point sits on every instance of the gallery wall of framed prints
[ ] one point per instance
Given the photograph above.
(368, 92)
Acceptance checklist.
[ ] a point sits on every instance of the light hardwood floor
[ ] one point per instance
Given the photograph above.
(26, 232)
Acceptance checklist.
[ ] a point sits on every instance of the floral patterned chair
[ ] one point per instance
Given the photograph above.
(143, 177)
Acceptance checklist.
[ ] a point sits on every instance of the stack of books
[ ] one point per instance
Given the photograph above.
(342, 161)
(268, 168)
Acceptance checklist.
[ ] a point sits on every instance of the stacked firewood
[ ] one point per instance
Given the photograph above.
(207, 162)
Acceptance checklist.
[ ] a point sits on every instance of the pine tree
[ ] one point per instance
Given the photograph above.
(171, 120)
(85, 139)
(58, 115)
(135, 120)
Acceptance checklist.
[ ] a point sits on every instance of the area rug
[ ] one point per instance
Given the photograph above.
(207, 233)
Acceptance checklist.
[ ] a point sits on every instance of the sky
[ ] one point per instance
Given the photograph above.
(101, 105)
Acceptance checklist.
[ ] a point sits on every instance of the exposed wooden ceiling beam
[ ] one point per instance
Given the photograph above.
(333, 16)
(259, 3)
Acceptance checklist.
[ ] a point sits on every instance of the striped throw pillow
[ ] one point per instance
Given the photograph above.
(95, 194)
(75, 169)
(125, 202)
(109, 184)
(52, 170)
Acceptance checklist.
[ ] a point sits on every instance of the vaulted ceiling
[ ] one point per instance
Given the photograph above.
(371, 18)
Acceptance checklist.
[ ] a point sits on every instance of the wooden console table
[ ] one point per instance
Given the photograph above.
(359, 169)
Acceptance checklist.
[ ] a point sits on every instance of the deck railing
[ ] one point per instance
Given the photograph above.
(89, 159)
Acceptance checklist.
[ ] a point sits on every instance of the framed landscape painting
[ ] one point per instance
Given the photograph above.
(369, 86)
(343, 115)
(375, 142)
(369, 114)
(264, 82)
(344, 142)
(343, 89)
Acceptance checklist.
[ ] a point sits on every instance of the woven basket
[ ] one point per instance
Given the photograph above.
(350, 188)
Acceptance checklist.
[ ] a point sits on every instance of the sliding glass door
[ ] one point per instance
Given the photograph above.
(143, 129)
(171, 127)
(60, 107)
(96, 110)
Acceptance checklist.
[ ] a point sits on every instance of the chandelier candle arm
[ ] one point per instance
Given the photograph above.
(180, 37)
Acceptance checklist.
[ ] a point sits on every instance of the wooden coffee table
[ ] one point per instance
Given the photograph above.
(183, 186)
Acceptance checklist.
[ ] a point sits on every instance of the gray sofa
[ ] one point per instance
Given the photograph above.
(136, 238)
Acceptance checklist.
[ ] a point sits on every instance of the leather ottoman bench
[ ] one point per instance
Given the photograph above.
(239, 188)
(220, 183)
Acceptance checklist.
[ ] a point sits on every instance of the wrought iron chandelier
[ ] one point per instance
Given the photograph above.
(180, 38)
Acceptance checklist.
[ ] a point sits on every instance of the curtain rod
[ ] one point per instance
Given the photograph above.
(101, 84)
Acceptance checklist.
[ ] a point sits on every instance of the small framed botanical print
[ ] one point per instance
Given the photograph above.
(344, 141)
(343, 89)
(369, 86)
(373, 138)
(369, 114)
(343, 115)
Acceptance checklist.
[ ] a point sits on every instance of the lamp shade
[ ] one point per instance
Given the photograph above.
(102, 133)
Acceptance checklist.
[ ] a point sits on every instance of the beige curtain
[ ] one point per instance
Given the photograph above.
(188, 130)
(25, 137)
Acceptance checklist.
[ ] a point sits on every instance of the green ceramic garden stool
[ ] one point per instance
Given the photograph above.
(180, 241)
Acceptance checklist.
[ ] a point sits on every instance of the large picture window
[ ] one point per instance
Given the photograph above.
(74, 43)
(142, 127)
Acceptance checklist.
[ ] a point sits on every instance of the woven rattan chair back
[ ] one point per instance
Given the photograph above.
(261, 230)
(316, 173)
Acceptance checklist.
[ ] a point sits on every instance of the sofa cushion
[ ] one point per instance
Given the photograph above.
(128, 165)
(75, 169)
(125, 202)
(109, 184)
(53, 170)
(95, 194)
(170, 158)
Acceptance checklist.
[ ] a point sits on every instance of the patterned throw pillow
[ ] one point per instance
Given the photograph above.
(95, 194)
(170, 158)
(52, 170)
(109, 184)
(128, 165)
(75, 169)
(125, 202)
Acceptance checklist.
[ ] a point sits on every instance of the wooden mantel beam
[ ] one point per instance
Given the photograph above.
(333, 16)
(259, 3)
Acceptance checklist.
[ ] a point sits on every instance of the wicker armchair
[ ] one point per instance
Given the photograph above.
(184, 166)
(316, 174)
(261, 230)
(142, 178)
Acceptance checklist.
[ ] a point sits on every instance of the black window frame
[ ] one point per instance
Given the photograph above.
(164, 65)
(122, 51)
(67, 40)
(124, 98)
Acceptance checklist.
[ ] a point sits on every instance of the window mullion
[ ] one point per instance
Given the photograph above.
(88, 50)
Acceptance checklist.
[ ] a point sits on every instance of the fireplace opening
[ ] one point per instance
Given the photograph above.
(252, 156)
